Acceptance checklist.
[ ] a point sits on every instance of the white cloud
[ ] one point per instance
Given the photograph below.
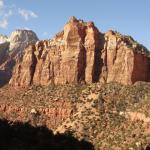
(1, 4)
(7, 11)
(4, 23)
(27, 14)
(4, 16)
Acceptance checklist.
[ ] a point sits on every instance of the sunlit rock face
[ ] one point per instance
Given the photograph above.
(70, 57)
(12, 50)
(20, 39)
(82, 54)
(126, 61)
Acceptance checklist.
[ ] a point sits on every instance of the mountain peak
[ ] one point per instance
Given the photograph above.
(20, 38)
(73, 19)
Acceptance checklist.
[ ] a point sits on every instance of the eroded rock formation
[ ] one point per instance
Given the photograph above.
(125, 61)
(80, 53)
(12, 50)
(20, 39)
(68, 58)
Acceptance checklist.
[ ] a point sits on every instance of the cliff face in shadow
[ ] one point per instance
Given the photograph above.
(19, 136)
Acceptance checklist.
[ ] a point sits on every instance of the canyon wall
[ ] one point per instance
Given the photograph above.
(12, 50)
(82, 54)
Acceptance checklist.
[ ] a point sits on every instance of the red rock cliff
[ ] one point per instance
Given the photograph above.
(80, 53)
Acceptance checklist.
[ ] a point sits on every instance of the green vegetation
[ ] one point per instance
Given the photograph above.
(102, 113)
(104, 120)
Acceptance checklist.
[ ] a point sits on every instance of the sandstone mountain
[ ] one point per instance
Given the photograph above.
(12, 49)
(20, 39)
(82, 54)
(111, 111)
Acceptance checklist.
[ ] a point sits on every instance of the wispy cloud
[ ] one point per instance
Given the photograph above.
(1, 4)
(7, 11)
(4, 15)
(27, 14)
(4, 23)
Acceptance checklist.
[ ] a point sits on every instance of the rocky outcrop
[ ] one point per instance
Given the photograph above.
(125, 61)
(3, 38)
(64, 58)
(20, 39)
(11, 51)
(80, 53)
(3, 52)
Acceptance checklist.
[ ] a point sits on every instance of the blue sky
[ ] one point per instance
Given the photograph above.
(47, 17)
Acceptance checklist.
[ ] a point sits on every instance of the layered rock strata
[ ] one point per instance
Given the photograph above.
(82, 54)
